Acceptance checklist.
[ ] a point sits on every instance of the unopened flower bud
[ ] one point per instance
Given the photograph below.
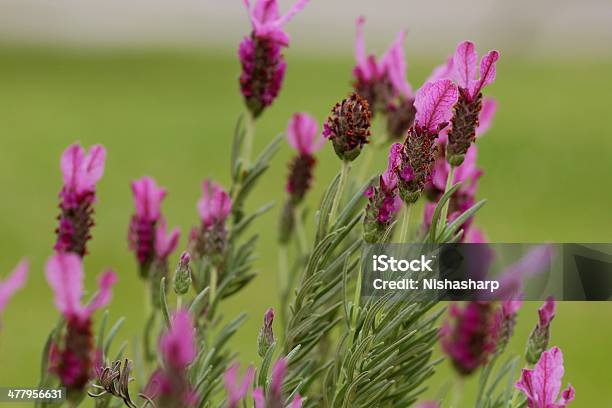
(348, 126)
(538, 339)
(182, 275)
(266, 335)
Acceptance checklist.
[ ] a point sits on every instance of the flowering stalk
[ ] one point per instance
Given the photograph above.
(469, 105)
(72, 360)
(169, 385)
(81, 172)
(236, 391)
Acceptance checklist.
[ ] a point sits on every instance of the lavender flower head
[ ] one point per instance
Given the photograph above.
(274, 397)
(215, 205)
(469, 337)
(263, 64)
(169, 385)
(303, 135)
(434, 102)
(380, 82)
(469, 105)
(383, 200)
(348, 126)
(13, 283)
(73, 360)
(81, 172)
(143, 225)
(542, 384)
(237, 391)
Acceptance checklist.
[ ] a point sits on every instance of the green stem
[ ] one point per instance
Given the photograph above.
(444, 213)
(213, 285)
(457, 393)
(249, 135)
(283, 270)
(301, 233)
(405, 224)
(346, 167)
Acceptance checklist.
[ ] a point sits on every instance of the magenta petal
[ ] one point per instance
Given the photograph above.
(71, 163)
(464, 62)
(297, 402)
(106, 281)
(148, 198)
(64, 273)
(93, 167)
(487, 70)
(303, 133)
(178, 344)
(487, 113)
(360, 53)
(443, 71)
(278, 376)
(165, 243)
(215, 204)
(434, 102)
(260, 399)
(394, 61)
(547, 312)
(13, 283)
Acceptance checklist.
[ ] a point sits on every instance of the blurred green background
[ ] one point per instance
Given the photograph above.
(170, 114)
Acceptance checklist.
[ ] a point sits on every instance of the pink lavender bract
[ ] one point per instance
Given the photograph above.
(143, 225)
(542, 384)
(13, 283)
(467, 110)
(81, 172)
(434, 102)
(380, 82)
(236, 391)
(169, 386)
(540, 335)
(263, 65)
(72, 360)
(469, 337)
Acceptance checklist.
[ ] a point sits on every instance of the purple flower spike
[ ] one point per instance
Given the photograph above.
(383, 200)
(169, 385)
(236, 392)
(469, 337)
(266, 334)
(13, 283)
(466, 115)
(214, 207)
(348, 126)
(73, 360)
(81, 172)
(541, 385)
(434, 102)
(263, 65)
(303, 135)
(381, 81)
(143, 229)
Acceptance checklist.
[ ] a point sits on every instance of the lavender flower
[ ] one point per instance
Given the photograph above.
(73, 360)
(13, 283)
(236, 391)
(507, 321)
(540, 335)
(274, 398)
(81, 172)
(263, 64)
(303, 136)
(469, 105)
(169, 385)
(433, 103)
(541, 385)
(348, 126)
(470, 336)
(381, 82)
(383, 200)
(266, 334)
(215, 205)
(143, 225)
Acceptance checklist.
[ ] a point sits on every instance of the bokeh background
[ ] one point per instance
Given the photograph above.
(156, 82)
